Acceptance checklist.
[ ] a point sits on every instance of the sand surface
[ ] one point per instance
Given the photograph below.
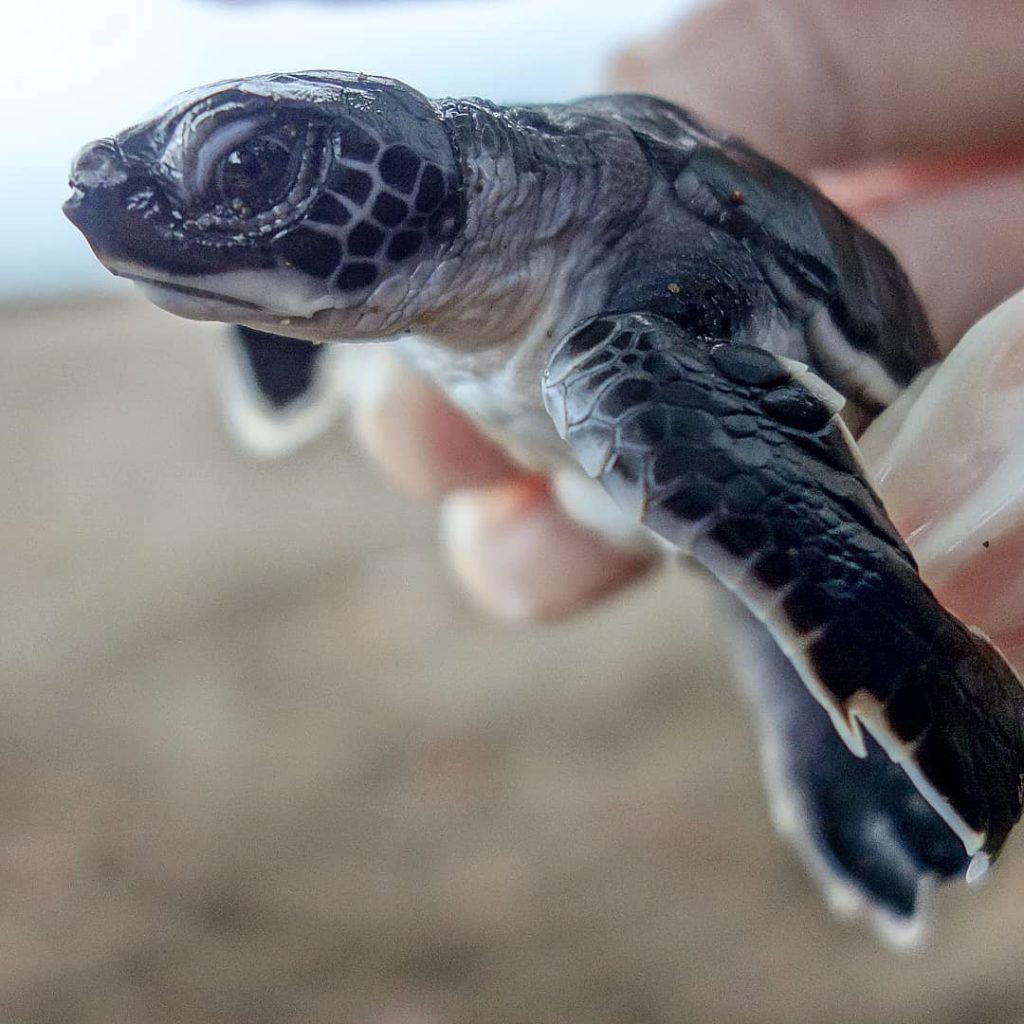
(260, 764)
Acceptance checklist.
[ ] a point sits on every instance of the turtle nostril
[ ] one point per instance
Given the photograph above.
(98, 164)
(96, 204)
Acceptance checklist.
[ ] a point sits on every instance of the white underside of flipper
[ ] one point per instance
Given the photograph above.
(272, 432)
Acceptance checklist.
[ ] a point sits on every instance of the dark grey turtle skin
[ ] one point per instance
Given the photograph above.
(615, 290)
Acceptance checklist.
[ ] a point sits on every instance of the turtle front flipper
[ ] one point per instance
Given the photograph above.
(864, 832)
(739, 459)
(279, 393)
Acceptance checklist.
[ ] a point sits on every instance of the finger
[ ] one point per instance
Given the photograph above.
(961, 242)
(825, 82)
(521, 558)
(949, 465)
(877, 185)
(423, 444)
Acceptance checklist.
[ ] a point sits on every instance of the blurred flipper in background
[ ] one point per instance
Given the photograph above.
(280, 393)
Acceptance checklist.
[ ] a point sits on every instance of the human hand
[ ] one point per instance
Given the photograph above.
(906, 116)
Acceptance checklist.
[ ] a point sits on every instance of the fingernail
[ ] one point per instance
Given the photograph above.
(480, 532)
(520, 557)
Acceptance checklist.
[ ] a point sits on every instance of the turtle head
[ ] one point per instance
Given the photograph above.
(305, 203)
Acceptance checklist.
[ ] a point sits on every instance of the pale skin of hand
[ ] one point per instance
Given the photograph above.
(906, 112)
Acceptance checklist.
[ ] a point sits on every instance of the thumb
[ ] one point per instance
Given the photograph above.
(816, 83)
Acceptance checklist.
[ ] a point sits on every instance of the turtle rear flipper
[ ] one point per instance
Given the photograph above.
(279, 393)
(864, 832)
(736, 458)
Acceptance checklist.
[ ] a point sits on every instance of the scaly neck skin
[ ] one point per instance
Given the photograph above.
(534, 193)
(549, 193)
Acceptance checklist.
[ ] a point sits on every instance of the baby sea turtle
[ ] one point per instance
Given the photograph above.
(613, 289)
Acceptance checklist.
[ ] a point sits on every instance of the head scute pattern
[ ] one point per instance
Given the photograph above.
(379, 205)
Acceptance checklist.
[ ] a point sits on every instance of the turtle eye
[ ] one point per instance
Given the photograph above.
(255, 175)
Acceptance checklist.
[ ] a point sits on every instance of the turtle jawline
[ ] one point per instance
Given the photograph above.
(196, 293)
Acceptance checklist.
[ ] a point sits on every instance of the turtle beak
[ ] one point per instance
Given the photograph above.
(125, 211)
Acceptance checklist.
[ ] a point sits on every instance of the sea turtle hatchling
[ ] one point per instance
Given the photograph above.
(614, 290)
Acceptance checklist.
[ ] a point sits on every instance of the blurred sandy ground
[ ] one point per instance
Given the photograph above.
(258, 763)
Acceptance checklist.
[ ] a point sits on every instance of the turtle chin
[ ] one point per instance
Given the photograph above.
(193, 303)
(197, 305)
(268, 300)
